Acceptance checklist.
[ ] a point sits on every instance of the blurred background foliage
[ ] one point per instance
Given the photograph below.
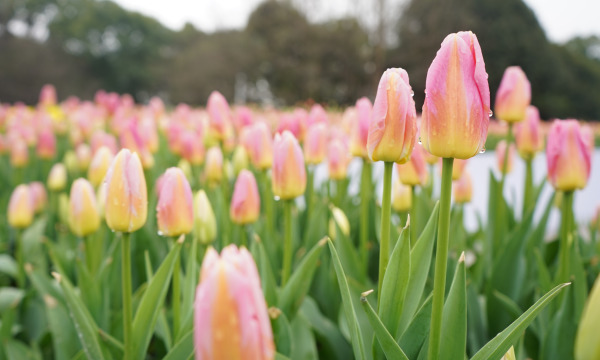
(280, 57)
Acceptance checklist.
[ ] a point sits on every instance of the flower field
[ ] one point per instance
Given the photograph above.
(141, 231)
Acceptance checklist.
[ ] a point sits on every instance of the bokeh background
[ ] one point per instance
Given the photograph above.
(287, 53)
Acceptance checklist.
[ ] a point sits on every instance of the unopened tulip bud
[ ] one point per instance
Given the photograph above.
(70, 161)
(46, 144)
(185, 166)
(463, 189)
(205, 222)
(338, 159)
(513, 96)
(528, 135)
(587, 346)
(510, 354)
(19, 154)
(240, 159)
(48, 95)
(99, 165)
(360, 128)
(414, 172)
(175, 209)
(84, 156)
(39, 196)
(214, 165)
(289, 173)
(339, 218)
(569, 154)
(192, 148)
(20, 207)
(220, 114)
(500, 156)
(63, 208)
(57, 178)
(456, 111)
(126, 206)
(245, 202)
(230, 313)
(315, 144)
(401, 197)
(83, 210)
(458, 168)
(393, 127)
(101, 199)
(258, 142)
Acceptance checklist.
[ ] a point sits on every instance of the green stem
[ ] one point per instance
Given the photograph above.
(565, 240)
(268, 200)
(505, 163)
(441, 258)
(310, 183)
(365, 192)
(384, 246)
(176, 298)
(528, 195)
(126, 283)
(413, 217)
(20, 259)
(287, 242)
(243, 236)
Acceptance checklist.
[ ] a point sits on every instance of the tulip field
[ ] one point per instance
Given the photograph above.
(147, 231)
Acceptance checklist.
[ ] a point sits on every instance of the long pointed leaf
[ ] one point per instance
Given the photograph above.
(184, 349)
(454, 321)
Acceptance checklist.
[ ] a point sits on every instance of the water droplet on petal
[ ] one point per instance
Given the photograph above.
(482, 150)
(277, 198)
(412, 93)
(491, 113)
(160, 233)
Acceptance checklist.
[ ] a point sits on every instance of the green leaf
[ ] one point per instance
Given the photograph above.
(355, 332)
(417, 332)
(295, 290)
(8, 265)
(476, 327)
(391, 349)
(190, 283)
(87, 329)
(184, 349)
(282, 333)
(454, 318)
(305, 346)
(16, 350)
(500, 344)
(62, 329)
(10, 298)
(151, 303)
(267, 278)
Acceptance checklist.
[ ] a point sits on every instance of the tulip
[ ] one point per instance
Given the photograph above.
(19, 153)
(46, 145)
(101, 199)
(245, 201)
(360, 129)
(186, 168)
(57, 178)
(528, 135)
(315, 144)
(456, 111)
(99, 165)
(338, 159)
(458, 168)
(126, 206)
(587, 346)
(205, 222)
(500, 158)
(70, 161)
(316, 115)
(48, 95)
(20, 207)
(220, 114)
(84, 218)
(292, 123)
(402, 197)
(513, 96)
(192, 148)
(510, 354)
(393, 126)
(568, 153)
(341, 220)
(463, 189)
(414, 172)
(84, 156)
(289, 173)
(230, 313)
(214, 165)
(258, 142)
(240, 159)
(38, 195)
(175, 209)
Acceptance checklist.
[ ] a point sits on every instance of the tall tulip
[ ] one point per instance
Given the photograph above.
(230, 313)
(245, 201)
(219, 114)
(20, 207)
(501, 150)
(360, 130)
(84, 218)
(258, 142)
(315, 143)
(205, 223)
(529, 141)
(38, 196)
(513, 96)
(214, 165)
(175, 209)
(338, 159)
(46, 144)
(99, 165)
(463, 189)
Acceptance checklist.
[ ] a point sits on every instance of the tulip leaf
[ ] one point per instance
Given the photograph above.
(267, 278)
(415, 335)
(476, 327)
(151, 303)
(61, 327)
(389, 346)
(500, 344)
(292, 295)
(305, 346)
(348, 253)
(10, 298)
(8, 265)
(183, 349)
(282, 332)
(190, 283)
(355, 331)
(16, 350)
(454, 320)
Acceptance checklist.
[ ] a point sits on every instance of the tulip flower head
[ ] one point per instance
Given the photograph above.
(57, 178)
(340, 219)
(456, 111)
(192, 149)
(99, 165)
(289, 173)
(587, 346)
(38, 196)
(19, 153)
(414, 172)
(528, 135)
(245, 202)
(20, 208)
(46, 144)
(360, 128)
(569, 155)
(84, 218)
(84, 156)
(458, 168)
(401, 197)
(126, 205)
(175, 208)
(214, 165)
(393, 127)
(463, 188)
(338, 159)
(205, 222)
(240, 159)
(220, 114)
(315, 144)
(513, 96)
(230, 313)
(501, 153)
(258, 142)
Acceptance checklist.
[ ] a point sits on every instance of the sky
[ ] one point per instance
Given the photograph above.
(561, 19)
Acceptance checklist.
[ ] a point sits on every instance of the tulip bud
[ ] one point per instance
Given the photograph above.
(513, 96)
(510, 354)
(457, 99)
(528, 135)
(214, 165)
(186, 168)
(230, 313)
(245, 202)
(258, 142)
(48, 95)
(569, 153)
(70, 161)
(414, 172)
(57, 178)
(192, 149)
(175, 208)
(63, 208)
(501, 153)
(20, 207)
(84, 156)
(401, 197)
(99, 166)
(126, 206)
(38, 195)
(338, 159)
(393, 127)
(101, 199)
(83, 211)
(46, 144)
(289, 173)
(19, 154)
(360, 128)
(458, 168)
(240, 159)
(587, 346)
(463, 189)
(219, 112)
(315, 144)
(341, 220)
(205, 223)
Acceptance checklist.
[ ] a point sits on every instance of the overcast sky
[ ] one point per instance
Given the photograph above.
(562, 19)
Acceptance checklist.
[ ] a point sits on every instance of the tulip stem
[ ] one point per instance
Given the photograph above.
(528, 195)
(310, 183)
(176, 298)
(243, 236)
(565, 236)
(268, 203)
(505, 162)
(126, 283)
(441, 258)
(365, 192)
(20, 259)
(287, 242)
(384, 246)
(413, 216)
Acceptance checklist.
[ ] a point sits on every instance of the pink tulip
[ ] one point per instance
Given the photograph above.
(38, 196)
(569, 155)
(360, 129)
(316, 115)
(291, 123)
(463, 189)
(219, 112)
(338, 158)
(315, 144)
(258, 142)
(48, 95)
(46, 145)
(214, 165)
(500, 154)
(175, 208)
(289, 173)
(192, 148)
(457, 101)
(414, 172)
(528, 136)
(513, 96)
(245, 201)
